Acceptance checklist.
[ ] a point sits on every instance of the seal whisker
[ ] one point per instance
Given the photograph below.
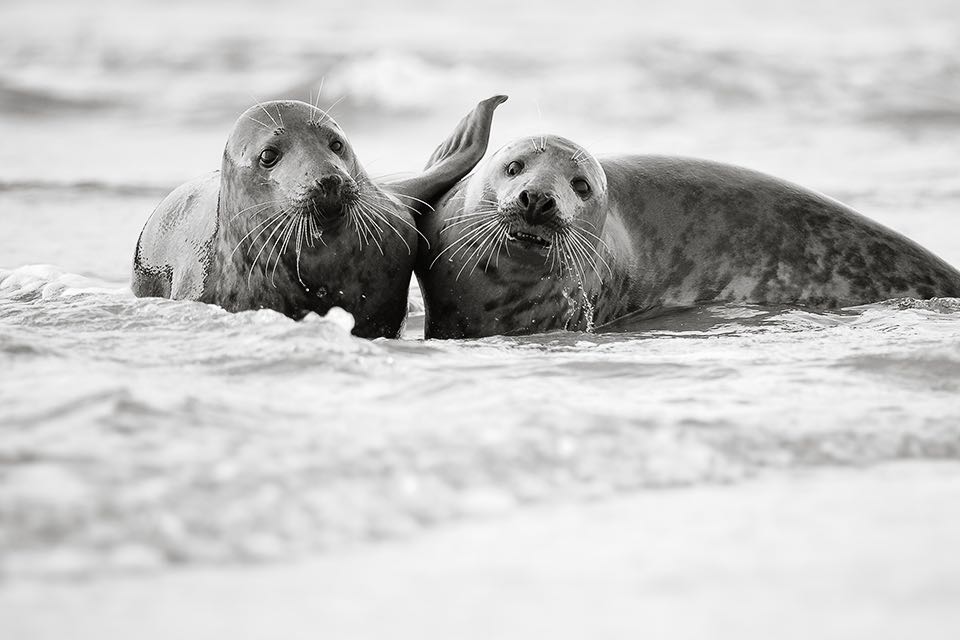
(466, 218)
(475, 239)
(577, 234)
(356, 224)
(307, 236)
(578, 258)
(582, 260)
(275, 227)
(564, 258)
(590, 249)
(476, 212)
(461, 239)
(580, 254)
(423, 202)
(500, 239)
(468, 223)
(372, 223)
(283, 248)
(262, 124)
(301, 224)
(315, 232)
(553, 253)
(385, 219)
(284, 224)
(477, 254)
(576, 266)
(396, 203)
(260, 204)
(592, 225)
(385, 215)
(488, 240)
(567, 258)
(503, 243)
(264, 109)
(396, 216)
(316, 103)
(260, 224)
(361, 232)
(599, 240)
(368, 225)
(380, 200)
(372, 219)
(267, 224)
(326, 112)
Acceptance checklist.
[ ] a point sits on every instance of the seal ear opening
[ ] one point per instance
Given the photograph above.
(454, 158)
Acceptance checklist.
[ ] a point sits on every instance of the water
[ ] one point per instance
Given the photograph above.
(151, 439)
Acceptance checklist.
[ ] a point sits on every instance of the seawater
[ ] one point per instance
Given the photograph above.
(144, 435)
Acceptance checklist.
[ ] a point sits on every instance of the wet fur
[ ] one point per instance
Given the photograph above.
(237, 238)
(677, 233)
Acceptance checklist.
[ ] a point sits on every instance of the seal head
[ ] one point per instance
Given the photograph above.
(303, 228)
(528, 221)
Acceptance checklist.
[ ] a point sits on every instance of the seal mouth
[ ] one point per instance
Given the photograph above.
(529, 239)
(330, 209)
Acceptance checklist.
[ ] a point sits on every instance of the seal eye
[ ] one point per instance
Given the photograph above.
(514, 168)
(581, 186)
(269, 157)
(336, 146)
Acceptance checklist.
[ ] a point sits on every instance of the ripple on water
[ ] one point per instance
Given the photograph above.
(142, 433)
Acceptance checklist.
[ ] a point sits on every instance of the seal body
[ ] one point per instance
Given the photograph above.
(647, 234)
(293, 223)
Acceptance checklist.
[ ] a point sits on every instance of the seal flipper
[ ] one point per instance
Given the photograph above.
(453, 159)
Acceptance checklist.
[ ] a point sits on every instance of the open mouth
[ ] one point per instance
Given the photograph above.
(528, 238)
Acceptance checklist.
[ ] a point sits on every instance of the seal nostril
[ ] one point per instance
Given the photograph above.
(524, 199)
(331, 184)
(547, 205)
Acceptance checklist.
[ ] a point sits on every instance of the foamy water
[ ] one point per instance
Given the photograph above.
(147, 438)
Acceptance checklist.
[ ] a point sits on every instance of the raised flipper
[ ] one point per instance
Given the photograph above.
(452, 160)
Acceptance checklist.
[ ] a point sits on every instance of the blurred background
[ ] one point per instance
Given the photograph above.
(119, 101)
(168, 470)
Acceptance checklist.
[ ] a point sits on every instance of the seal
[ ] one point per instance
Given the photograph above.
(544, 236)
(292, 222)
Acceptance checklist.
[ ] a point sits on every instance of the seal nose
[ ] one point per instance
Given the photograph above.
(537, 206)
(330, 185)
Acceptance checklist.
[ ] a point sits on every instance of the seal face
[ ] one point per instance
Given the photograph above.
(299, 217)
(544, 236)
(292, 222)
(514, 245)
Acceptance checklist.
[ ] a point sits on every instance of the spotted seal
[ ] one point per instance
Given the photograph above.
(545, 236)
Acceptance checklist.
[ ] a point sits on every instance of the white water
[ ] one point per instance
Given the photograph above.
(152, 445)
